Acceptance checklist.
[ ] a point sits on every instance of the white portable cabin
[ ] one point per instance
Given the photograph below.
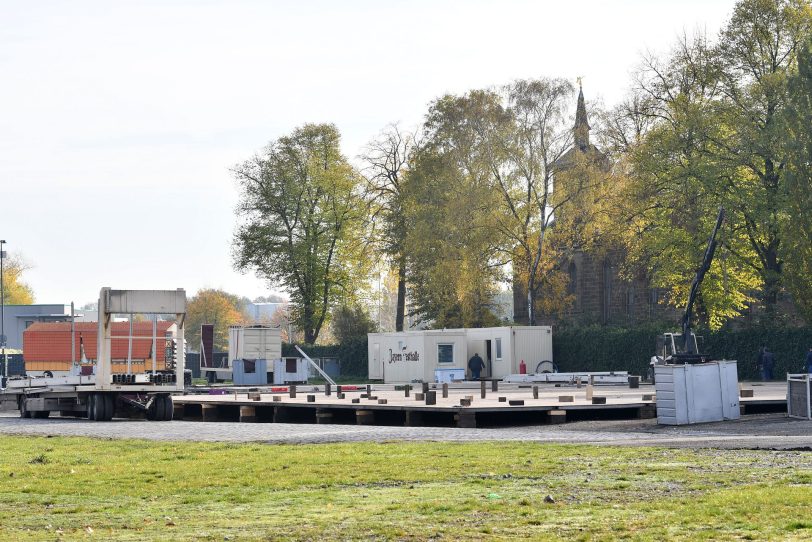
(416, 355)
(503, 348)
(254, 342)
(409, 356)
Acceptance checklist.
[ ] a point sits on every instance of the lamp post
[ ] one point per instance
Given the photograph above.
(3, 312)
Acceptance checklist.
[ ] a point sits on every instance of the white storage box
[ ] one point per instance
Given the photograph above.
(697, 393)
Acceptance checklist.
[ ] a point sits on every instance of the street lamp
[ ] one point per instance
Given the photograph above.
(3, 313)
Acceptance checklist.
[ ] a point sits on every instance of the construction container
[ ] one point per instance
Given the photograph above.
(697, 393)
(415, 355)
(254, 342)
(291, 371)
(250, 372)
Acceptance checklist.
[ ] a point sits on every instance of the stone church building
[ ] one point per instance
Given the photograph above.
(601, 295)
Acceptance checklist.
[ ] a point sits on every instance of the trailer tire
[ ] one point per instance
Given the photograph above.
(108, 401)
(169, 409)
(91, 406)
(160, 408)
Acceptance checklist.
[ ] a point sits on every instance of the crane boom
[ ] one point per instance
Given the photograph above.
(687, 331)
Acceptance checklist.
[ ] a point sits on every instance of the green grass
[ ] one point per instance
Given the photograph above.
(72, 488)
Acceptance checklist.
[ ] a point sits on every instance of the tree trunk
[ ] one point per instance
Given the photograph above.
(531, 303)
(400, 315)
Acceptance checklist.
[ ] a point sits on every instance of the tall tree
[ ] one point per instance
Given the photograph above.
(797, 221)
(387, 161)
(212, 306)
(301, 212)
(451, 247)
(15, 291)
(717, 141)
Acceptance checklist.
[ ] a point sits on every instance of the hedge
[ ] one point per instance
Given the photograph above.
(617, 349)
(352, 355)
(598, 348)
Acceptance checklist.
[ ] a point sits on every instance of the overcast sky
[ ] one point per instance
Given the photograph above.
(119, 120)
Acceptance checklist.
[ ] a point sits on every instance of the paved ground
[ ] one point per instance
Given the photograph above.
(772, 431)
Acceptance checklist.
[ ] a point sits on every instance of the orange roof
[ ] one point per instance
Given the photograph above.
(51, 341)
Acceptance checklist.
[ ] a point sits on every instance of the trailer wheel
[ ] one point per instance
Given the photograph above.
(169, 409)
(91, 406)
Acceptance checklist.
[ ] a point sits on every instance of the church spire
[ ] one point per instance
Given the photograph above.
(581, 128)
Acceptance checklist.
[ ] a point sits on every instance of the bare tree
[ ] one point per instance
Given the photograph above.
(387, 163)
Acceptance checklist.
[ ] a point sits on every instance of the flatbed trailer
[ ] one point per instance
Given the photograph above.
(103, 395)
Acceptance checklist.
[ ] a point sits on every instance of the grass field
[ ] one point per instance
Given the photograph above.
(71, 488)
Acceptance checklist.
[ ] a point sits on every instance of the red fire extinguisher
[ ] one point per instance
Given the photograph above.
(522, 368)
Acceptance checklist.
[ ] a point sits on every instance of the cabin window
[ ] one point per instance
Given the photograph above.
(445, 353)
(290, 365)
(498, 348)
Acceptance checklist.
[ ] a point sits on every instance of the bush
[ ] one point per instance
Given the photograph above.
(352, 354)
(596, 348)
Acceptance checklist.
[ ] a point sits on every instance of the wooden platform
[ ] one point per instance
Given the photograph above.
(464, 405)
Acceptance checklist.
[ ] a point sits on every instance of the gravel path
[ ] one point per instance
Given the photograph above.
(772, 431)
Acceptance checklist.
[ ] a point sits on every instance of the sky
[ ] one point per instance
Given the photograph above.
(120, 121)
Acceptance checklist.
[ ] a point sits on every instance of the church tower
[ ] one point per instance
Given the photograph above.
(581, 128)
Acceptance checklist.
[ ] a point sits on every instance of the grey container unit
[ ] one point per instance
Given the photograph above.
(799, 402)
(249, 372)
(697, 393)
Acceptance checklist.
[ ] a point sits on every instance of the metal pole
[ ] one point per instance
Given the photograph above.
(3, 311)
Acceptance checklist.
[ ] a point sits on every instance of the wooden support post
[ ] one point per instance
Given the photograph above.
(445, 391)
(340, 395)
(382, 401)
(465, 402)
(328, 389)
(356, 400)
(277, 398)
(339, 390)
(494, 385)
(535, 392)
(406, 389)
(419, 396)
(311, 398)
(413, 418)
(431, 398)
(596, 400)
(425, 387)
(482, 388)
(209, 412)
(280, 415)
(558, 416)
(369, 390)
(566, 398)
(364, 417)
(323, 416)
(502, 399)
(292, 390)
(248, 413)
(646, 412)
(466, 419)
(589, 391)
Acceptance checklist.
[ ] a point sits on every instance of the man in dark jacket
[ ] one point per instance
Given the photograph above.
(809, 360)
(767, 364)
(476, 365)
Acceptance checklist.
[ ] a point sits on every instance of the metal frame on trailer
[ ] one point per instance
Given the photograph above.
(99, 395)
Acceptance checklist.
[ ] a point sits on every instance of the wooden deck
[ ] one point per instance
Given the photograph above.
(460, 405)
